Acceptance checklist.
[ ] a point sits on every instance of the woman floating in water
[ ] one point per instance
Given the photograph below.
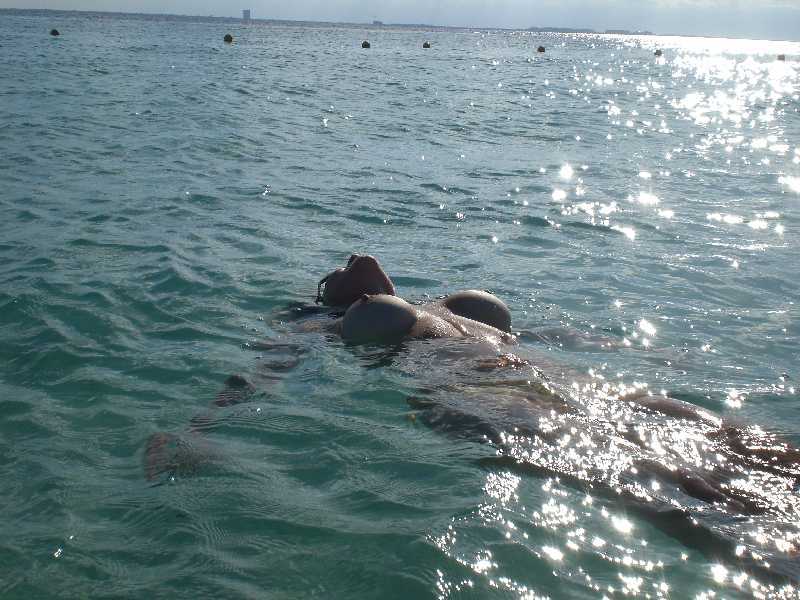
(679, 464)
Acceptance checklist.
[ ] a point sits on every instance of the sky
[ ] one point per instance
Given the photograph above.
(758, 19)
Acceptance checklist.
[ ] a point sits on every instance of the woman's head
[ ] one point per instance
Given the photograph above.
(362, 275)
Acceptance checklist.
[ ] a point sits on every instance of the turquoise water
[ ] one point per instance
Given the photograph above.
(168, 198)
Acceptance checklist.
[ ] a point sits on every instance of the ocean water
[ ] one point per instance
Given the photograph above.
(169, 203)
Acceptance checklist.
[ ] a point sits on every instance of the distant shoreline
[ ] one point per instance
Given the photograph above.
(305, 23)
(363, 25)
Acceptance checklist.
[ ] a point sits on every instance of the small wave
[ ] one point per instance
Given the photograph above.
(535, 241)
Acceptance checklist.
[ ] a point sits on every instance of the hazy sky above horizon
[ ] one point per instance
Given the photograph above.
(774, 19)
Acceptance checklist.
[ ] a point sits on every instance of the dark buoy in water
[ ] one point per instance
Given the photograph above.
(365, 44)
(228, 38)
(781, 57)
(540, 49)
(55, 32)
(426, 44)
(658, 52)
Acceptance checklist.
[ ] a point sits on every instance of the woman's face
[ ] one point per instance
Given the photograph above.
(362, 275)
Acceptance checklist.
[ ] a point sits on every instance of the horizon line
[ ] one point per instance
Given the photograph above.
(381, 24)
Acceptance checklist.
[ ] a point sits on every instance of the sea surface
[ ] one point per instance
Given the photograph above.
(169, 203)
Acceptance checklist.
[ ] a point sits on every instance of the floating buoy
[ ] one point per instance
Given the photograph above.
(658, 52)
(781, 57)
(540, 49)
(228, 38)
(426, 44)
(365, 44)
(54, 32)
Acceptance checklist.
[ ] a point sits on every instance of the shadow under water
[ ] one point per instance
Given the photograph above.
(722, 488)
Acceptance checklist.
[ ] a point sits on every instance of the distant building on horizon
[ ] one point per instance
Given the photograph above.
(246, 15)
(628, 32)
(378, 23)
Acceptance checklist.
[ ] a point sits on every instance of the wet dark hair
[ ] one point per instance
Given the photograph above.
(322, 281)
(362, 274)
